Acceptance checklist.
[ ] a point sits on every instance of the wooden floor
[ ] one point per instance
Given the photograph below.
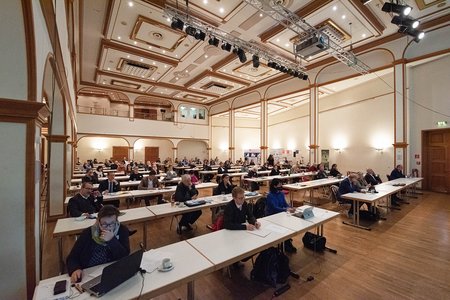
(405, 257)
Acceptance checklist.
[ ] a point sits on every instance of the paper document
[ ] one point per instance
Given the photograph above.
(152, 259)
(275, 228)
(262, 232)
(45, 291)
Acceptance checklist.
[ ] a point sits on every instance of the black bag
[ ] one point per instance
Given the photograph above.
(370, 216)
(314, 242)
(271, 267)
(259, 209)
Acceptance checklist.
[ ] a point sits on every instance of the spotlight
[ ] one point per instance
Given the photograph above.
(191, 30)
(290, 72)
(213, 41)
(270, 64)
(225, 46)
(255, 60)
(241, 55)
(396, 8)
(305, 77)
(235, 50)
(416, 34)
(405, 22)
(177, 24)
(200, 35)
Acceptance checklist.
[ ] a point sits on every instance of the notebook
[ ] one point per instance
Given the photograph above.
(114, 274)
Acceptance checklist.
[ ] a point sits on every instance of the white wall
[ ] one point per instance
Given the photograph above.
(165, 148)
(12, 255)
(428, 90)
(191, 149)
(87, 147)
(95, 124)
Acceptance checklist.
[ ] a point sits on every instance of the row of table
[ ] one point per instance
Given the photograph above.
(198, 256)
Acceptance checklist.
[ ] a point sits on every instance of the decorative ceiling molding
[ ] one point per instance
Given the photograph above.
(368, 15)
(218, 75)
(303, 12)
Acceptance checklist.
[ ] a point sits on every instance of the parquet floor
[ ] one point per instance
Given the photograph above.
(405, 257)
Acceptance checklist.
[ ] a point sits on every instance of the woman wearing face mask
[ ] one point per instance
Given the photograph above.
(276, 203)
(105, 241)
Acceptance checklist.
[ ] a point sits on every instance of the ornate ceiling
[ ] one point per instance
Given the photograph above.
(129, 46)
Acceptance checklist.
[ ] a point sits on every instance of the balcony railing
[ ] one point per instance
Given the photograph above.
(154, 116)
(102, 111)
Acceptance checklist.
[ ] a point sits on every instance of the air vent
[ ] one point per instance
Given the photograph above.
(135, 68)
(216, 87)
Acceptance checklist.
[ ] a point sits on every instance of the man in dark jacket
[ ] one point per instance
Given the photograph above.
(186, 191)
(85, 202)
(237, 213)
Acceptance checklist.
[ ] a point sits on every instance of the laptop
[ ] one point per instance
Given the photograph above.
(114, 274)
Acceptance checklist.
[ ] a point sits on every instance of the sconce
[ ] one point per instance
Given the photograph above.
(338, 150)
(380, 150)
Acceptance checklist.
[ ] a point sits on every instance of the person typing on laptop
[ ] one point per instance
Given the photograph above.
(105, 241)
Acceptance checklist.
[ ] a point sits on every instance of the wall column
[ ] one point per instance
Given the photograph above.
(400, 117)
(175, 153)
(264, 131)
(313, 124)
(210, 137)
(231, 134)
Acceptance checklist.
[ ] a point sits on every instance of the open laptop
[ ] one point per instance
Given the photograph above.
(114, 274)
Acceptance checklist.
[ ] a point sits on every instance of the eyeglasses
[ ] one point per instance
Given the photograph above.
(108, 225)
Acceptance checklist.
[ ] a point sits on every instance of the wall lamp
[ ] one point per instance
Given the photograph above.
(338, 150)
(379, 150)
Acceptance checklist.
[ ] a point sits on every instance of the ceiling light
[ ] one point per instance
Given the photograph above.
(177, 24)
(363, 35)
(241, 54)
(168, 19)
(278, 40)
(118, 37)
(135, 42)
(405, 21)
(141, 59)
(205, 1)
(396, 8)
(221, 10)
(255, 61)
(287, 44)
(206, 56)
(213, 41)
(416, 34)
(335, 8)
(343, 17)
(130, 3)
(260, 15)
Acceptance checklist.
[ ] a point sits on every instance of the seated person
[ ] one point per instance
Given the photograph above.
(321, 172)
(105, 241)
(349, 185)
(186, 191)
(253, 173)
(110, 185)
(151, 183)
(114, 165)
(194, 178)
(128, 169)
(334, 171)
(312, 168)
(276, 203)
(207, 167)
(237, 213)
(170, 174)
(395, 174)
(221, 169)
(85, 202)
(135, 175)
(121, 167)
(372, 178)
(225, 186)
(99, 172)
(275, 171)
(90, 176)
(362, 183)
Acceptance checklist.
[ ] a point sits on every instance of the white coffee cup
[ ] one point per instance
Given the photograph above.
(166, 264)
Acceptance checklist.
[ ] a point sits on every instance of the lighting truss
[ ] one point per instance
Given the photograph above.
(249, 47)
(289, 20)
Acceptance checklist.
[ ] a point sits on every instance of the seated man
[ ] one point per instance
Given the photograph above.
(275, 170)
(334, 171)
(225, 186)
(135, 175)
(321, 172)
(150, 183)
(372, 178)
(105, 241)
(395, 174)
(186, 191)
(275, 203)
(362, 183)
(349, 185)
(110, 185)
(90, 176)
(86, 202)
(237, 213)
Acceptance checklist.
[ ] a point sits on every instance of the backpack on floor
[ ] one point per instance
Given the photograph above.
(271, 267)
(314, 242)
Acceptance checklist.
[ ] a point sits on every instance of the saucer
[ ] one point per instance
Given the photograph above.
(161, 269)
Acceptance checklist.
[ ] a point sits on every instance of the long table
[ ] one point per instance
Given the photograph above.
(198, 256)
(282, 177)
(384, 190)
(309, 185)
(118, 178)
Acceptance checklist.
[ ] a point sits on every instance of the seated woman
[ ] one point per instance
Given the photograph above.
(194, 179)
(350, 185)
(275, 170)
(105, 241)
(276, 203)
(90, 176)
(334, 171)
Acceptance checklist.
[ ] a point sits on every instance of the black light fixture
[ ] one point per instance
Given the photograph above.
(200, 35)
(213, 41)
(241, 55)
(405, 21)
(226, 46)
(270, 64)
(305, 77)
(191, 30)
(416, 34)
(255, 61)
(391, 7)
(177, 24)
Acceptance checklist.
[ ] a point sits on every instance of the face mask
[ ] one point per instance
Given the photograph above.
(280, 188)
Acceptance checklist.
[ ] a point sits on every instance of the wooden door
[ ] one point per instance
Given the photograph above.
(151, 154)
(119, 152)
(436, 160)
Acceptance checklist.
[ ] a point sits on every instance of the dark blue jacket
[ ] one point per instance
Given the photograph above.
(396, 174)
(346, 186)
(275, 203)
